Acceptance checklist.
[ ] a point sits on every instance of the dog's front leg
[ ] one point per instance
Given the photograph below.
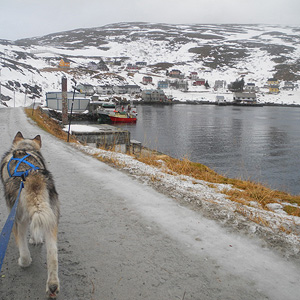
(20, 233)
(52, 287)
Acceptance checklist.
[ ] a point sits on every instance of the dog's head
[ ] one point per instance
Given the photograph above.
(20, 142)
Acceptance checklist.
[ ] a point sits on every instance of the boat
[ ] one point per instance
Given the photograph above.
(109, 104)
(122, 117)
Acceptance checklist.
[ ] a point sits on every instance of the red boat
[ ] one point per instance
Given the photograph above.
(122, 117)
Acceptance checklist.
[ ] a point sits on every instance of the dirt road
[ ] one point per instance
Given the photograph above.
(120, 239)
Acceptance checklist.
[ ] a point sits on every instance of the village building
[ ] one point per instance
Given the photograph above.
(251, 87)
(141, 64)
(272, 81)
(274, 88)
(120, 89)
(194, 76)
(244, 98)
(288, 86)
(131, 67)
(64, 63)
(199, 82)
(80, 103)
(163, 84)
(86, 89)
(133, 89)
(176, 74)
(219, 84)
(147, 79)
(153, 96)
(104, 89)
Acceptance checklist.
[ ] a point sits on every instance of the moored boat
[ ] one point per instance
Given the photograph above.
(123, 117)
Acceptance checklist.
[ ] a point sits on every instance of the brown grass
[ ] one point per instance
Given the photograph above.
(48, 124)
(242, 191)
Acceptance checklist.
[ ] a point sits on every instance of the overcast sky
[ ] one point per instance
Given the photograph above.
(30, 18)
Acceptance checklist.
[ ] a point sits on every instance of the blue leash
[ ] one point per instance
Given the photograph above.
(6, 231)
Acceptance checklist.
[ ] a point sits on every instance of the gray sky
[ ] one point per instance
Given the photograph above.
(30, 18)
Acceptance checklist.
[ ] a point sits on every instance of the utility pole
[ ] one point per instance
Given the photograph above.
(64, 100)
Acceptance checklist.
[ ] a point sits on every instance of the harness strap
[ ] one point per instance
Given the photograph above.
(21, 173)
(6, 231)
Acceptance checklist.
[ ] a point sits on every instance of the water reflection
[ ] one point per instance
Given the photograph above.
(258, 143)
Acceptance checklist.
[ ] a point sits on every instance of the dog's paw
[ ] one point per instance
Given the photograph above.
(36, 242)
(52, 289)
(24, 261)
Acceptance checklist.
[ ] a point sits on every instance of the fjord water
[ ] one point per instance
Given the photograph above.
(257, 143)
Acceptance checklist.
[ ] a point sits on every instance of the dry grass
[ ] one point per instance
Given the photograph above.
(48, 124)
(243, 191)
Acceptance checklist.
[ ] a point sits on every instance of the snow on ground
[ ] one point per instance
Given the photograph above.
(211, 201)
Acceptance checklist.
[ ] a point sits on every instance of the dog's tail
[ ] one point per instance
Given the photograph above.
(38, 206)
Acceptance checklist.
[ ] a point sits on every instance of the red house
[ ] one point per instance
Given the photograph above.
(199, 82)
(147, 79)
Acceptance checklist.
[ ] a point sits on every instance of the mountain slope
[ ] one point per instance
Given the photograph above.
(214, 51)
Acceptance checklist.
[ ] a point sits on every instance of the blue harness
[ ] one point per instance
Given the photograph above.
(22, 174)
(6, 231)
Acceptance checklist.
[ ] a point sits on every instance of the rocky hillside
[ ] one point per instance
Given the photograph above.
(30, 67)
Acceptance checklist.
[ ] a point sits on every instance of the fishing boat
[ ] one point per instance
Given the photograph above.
(122, 117)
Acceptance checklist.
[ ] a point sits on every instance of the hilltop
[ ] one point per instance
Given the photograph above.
(30, 67)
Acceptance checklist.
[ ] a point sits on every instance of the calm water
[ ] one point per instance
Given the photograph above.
(257, 143)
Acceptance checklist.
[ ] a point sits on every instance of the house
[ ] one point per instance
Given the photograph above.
(120, 89)
(64, 63)
(272, 81)
(274, 88)
(163, 84)
(86, 89)
(194, 75)
(141, 64)
(133, 89)
(250, 87)
(288, 86)
(244, 98)
(199, 82)
(147, 79)
(153, 96)
(104, 89)
(219, 84)
(175, 74)
(183, 85)
(131, 67)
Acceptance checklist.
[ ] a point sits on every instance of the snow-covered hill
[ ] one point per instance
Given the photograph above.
(29, 67)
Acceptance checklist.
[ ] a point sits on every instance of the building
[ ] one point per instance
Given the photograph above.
(54, 101)
(274, 88)
(163, 84)
(272, 81)
(199, 82)
(147, 79)
(175, 74)
(104, 89)
(141, 63)
(220, 84)
(86, 89)
(288, 86)
(131, 67)
(64, 63)
(154, 96)
(194, 75)
(244, 98)
(250, 87)
(133, 89)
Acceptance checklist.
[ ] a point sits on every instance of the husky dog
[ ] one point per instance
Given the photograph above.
(38, 205)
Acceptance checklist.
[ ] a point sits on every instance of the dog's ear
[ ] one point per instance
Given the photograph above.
(38, 140)
(18, 137)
